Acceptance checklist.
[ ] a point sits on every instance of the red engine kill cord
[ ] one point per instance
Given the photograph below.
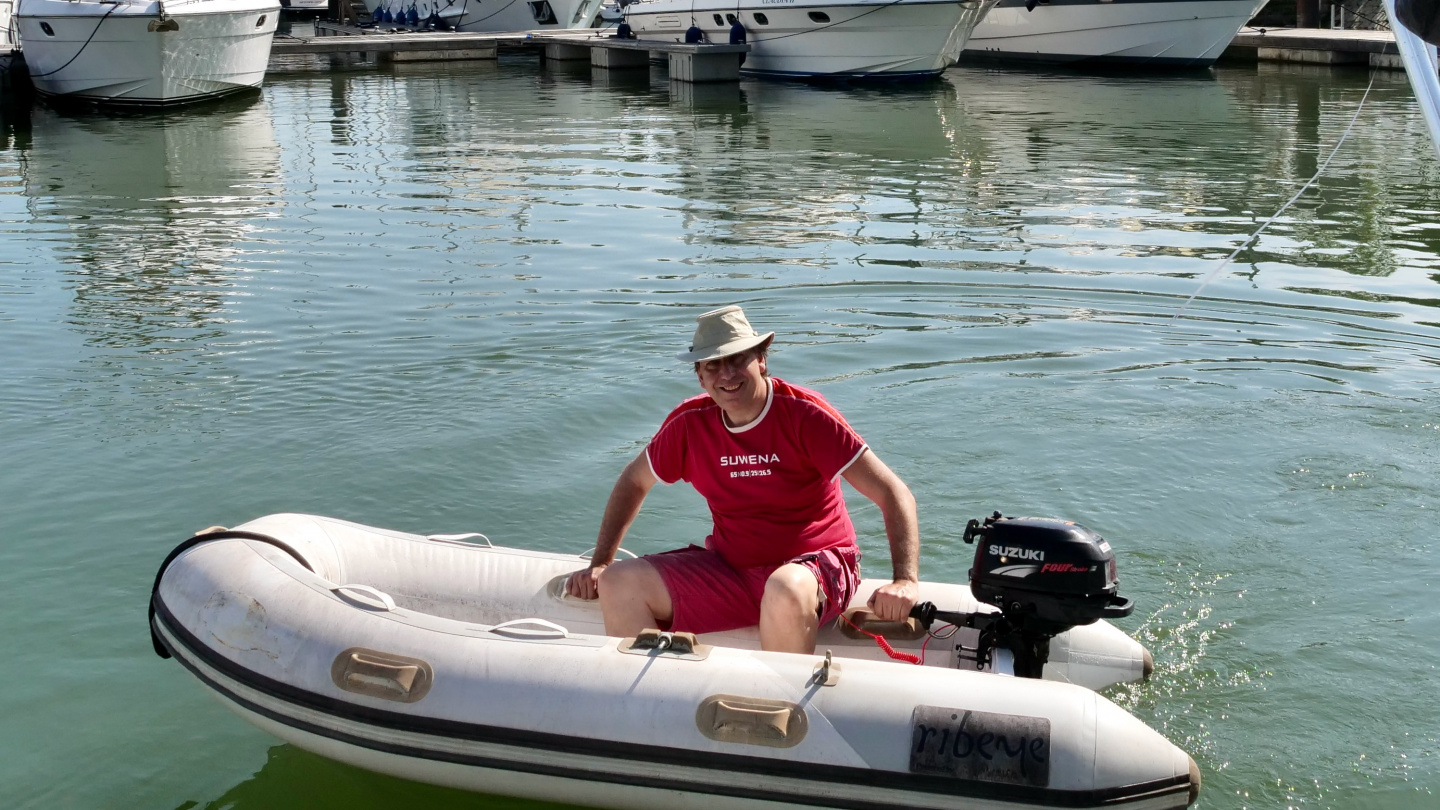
(891, 651)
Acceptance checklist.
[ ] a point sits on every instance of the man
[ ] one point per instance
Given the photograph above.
(768, 457)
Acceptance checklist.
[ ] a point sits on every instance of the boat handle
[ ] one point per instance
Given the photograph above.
(460, 538)
(365, 596)
(530, 628)
(1117, 608)
(557, 590)
(591, 553)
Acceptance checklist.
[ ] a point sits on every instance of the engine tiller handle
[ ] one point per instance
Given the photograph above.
(926, 613)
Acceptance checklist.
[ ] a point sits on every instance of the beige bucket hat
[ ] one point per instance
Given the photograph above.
(721, 333)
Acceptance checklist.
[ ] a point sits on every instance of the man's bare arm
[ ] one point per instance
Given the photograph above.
(634, 483)
(871, 478)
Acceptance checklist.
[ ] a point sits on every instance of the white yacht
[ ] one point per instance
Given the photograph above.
(308, 7)
(149, 52)
(1173, 33)
(8, 42)
(826, 39)
(489, 16)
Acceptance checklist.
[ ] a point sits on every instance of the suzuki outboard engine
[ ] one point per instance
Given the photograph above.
(1045, 575)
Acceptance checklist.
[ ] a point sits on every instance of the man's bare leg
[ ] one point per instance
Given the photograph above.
(789, 617)
(633, 597)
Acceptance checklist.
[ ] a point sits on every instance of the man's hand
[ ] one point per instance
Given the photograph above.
(585, 583)
(892, 603)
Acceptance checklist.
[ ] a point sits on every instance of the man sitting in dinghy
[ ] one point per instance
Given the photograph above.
(767, 456)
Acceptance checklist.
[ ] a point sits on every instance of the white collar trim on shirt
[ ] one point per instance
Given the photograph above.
(769, 398)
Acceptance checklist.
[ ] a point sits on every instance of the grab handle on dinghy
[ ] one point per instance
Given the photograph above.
(530, 629)
(1117, 608)
(382, 675)
(591, 553)
(365, 596)
(460, 538)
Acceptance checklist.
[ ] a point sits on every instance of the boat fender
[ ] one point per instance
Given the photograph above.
(737, 34)
(752, 721)
(433, 21)
(624, 31)
(206, 536)
(412, 17)
(382, 675)
(386, 16)
(693, 35)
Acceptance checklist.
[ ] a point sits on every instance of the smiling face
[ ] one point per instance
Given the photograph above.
(737, 384)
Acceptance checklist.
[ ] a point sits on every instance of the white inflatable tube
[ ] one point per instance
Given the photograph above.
(381, 650)
(447, 576)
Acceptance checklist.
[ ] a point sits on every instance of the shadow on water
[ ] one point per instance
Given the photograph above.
(293, 779)
(15, 106)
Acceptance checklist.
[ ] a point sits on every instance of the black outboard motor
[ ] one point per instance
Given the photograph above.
(1045, 575)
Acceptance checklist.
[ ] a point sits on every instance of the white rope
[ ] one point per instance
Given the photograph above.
(1256, 235)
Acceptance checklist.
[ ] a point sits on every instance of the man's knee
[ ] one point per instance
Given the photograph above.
(634, 582)
(791, 587)
(628, 577)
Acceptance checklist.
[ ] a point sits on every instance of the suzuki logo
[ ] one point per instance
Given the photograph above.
(1012, 552)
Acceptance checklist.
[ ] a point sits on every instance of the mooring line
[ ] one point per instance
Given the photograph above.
(1256, 235)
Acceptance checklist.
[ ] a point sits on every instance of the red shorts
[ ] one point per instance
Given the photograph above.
(709, 596)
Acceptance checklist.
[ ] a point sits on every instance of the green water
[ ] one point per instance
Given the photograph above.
(445, 299)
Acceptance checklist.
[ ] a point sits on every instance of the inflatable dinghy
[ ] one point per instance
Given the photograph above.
(463, 664)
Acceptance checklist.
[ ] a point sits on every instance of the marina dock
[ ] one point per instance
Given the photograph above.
(707, 62)
(1318, 46)
(693, 63)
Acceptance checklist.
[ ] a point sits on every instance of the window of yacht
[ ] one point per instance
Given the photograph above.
(761, 18)
(819, 17)
(718, 20)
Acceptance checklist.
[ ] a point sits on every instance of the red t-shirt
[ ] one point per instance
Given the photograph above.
(773, 485)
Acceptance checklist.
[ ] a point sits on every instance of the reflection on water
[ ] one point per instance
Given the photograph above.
(444, 298)
(147, 211)
(295, 778)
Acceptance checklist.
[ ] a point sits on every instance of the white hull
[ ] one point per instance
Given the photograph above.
(8, 42)
(1178, 33)
(870, 39)
(494, 16)
(413, 680)
(1421, 63)
(123, 53)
